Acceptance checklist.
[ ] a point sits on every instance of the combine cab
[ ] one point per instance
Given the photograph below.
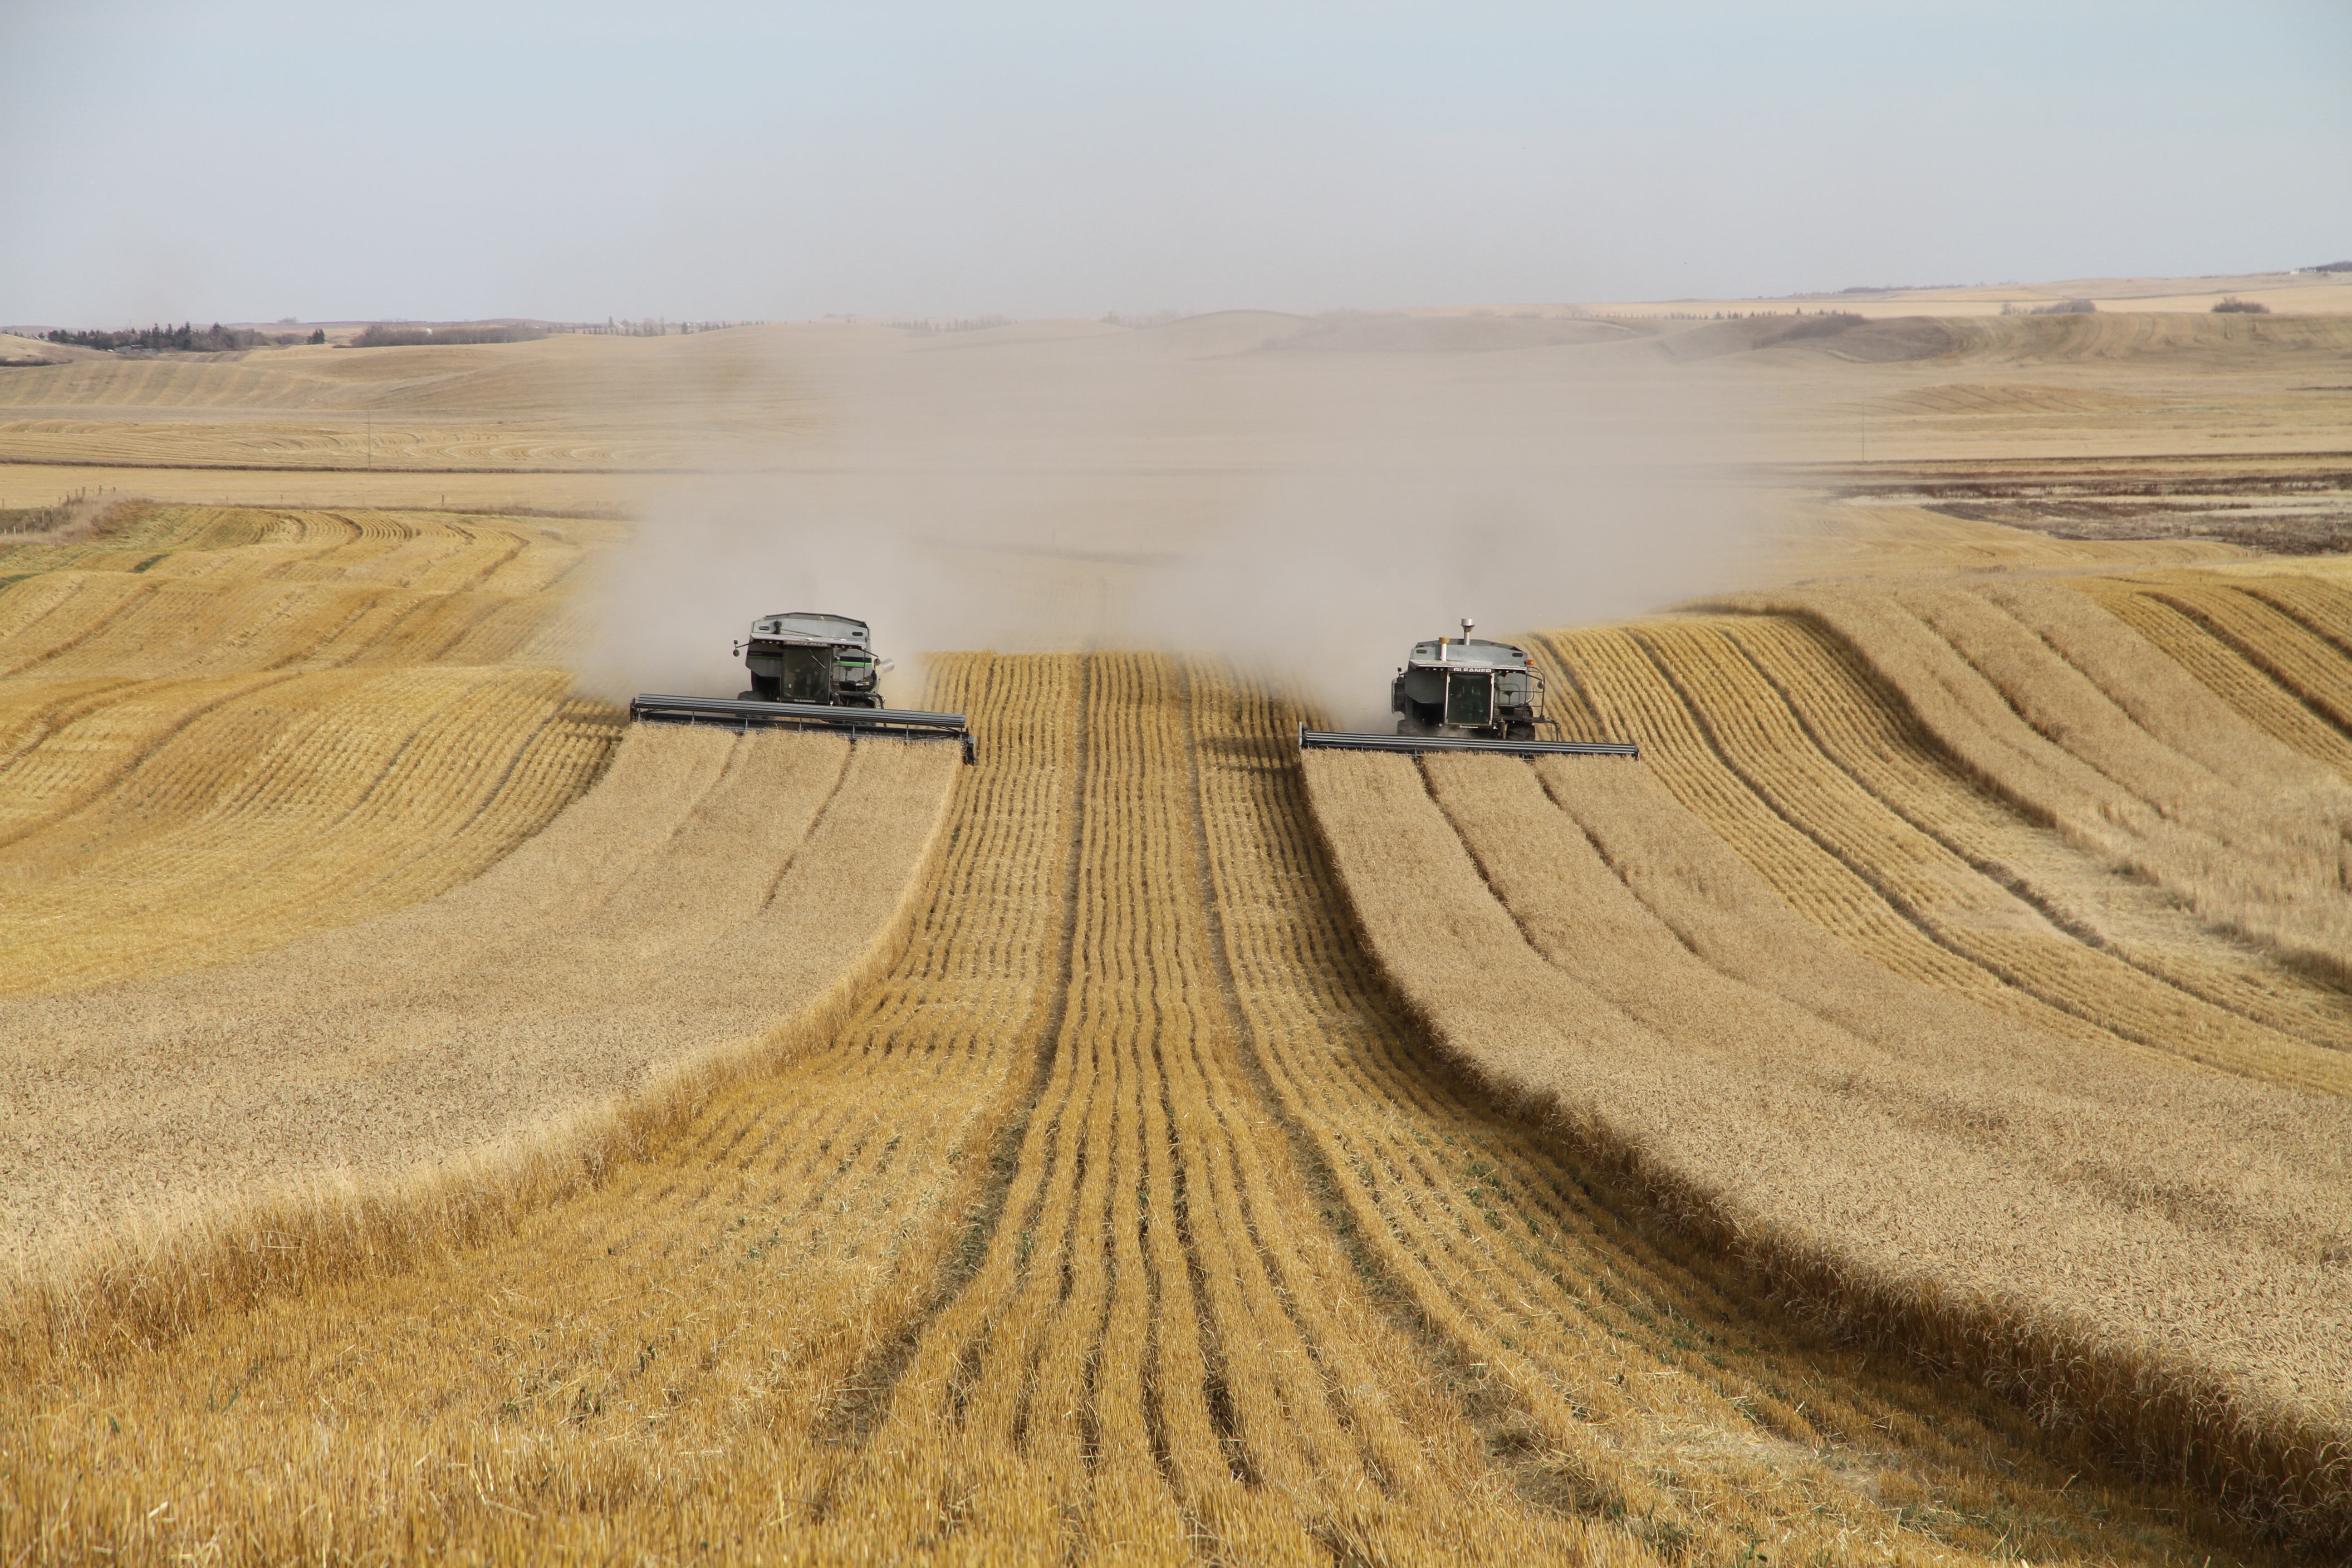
(809, 671)
(805, 657)
(1466, 686)
(1465, 694)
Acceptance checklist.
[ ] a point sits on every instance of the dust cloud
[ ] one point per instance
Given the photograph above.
(1225, 484)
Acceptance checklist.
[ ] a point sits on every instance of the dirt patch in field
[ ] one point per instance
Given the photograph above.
(2306, 511)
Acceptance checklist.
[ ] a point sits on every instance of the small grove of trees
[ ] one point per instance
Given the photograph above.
(397, 334)
(960, 324)
(2055, 308)
(2231, 305)
(184, 338)
(651, 327)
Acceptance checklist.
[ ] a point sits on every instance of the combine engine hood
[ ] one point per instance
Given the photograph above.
(1469, 686)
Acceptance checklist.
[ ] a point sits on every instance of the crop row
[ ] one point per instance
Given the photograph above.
(1912, 817)
(713, 889)
(279, 814)
(2259, 623)
(2192, 644)
(1830, 786)
(1861, 1139)
(220, 729)
(2054, 709)
(1124, 1216)
(728, 1284)
(1887, 753)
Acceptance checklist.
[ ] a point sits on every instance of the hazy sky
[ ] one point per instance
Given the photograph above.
(256, 159)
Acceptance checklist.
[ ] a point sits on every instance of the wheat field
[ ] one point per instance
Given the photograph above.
(1902, 1119)
(370, 708)
(1205, 1254)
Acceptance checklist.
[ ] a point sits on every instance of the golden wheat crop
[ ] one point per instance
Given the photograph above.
(1988, 673)
(440, 1127)
(222, 729)
(1815, 765)
(1125, 1217)
(1930, 1160)
(2220, 665)
(709, 889)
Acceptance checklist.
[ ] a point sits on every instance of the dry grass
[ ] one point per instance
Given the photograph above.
(1123, 1216)
(71, 521)
(2118, 1242)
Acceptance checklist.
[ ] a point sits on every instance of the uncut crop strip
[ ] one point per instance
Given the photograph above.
(2170, 1004)
(1844, 1169)
(1625, 684)
(86, 735)
(714, 890)
(2321, 611)
(2270, 794)
(2282, 645)
(2321, 604)
(181, 781)
(2249, 833)
(294, 804)
(2266, 702)
(298, 822)
(2040, 731)
(1800, 701)
(1202, 1257)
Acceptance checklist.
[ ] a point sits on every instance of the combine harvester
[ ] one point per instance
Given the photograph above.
(1460, 694)
(809, 671)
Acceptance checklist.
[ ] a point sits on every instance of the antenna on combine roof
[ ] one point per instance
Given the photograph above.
(1466, 624)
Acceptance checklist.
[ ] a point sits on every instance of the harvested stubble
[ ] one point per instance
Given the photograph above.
(1125, 1218)
(2065, 711)
(224, 729)
(2141, 1249)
